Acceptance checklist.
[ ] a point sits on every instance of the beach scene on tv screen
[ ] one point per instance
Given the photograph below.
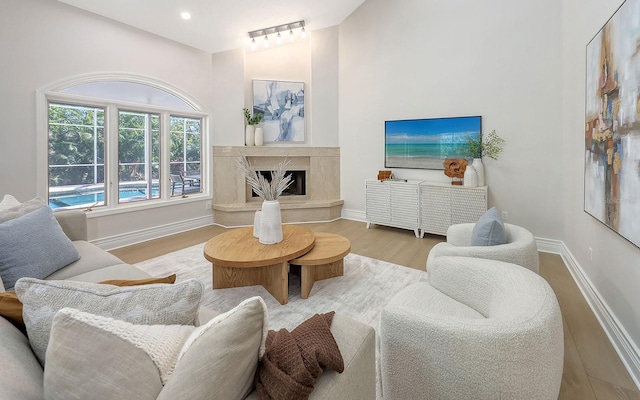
(426, 143)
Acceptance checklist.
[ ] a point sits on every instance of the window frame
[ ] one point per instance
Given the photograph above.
(112, 109)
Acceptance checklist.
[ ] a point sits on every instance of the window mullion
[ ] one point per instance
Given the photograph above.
(111, 155)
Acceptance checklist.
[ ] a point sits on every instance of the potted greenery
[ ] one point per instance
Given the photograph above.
(489, 146)
(250, 132)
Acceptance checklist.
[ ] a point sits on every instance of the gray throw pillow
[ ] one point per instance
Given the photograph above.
(489, 230)
(33, 245)
(148, 304)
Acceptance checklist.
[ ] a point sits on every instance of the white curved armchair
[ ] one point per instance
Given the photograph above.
(481, 329)
(520, 248)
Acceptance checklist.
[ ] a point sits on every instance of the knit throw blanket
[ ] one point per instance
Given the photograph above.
(293, 361)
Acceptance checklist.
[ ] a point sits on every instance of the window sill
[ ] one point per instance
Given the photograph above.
(148, 205)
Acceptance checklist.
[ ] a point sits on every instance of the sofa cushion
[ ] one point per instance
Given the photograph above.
(33, 245)
(97, 357)
(21, 209)
(489, 230)
(20, 374)
(121, 271)
(149, 304)
(92, 258)
(11, 307)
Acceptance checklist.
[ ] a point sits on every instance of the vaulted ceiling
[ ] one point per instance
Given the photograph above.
(218, 25)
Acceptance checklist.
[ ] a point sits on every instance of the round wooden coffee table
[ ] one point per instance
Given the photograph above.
(239, 259)
(324, 261)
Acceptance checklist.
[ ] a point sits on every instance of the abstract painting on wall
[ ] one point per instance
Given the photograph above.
(612, 126)
(282, 107)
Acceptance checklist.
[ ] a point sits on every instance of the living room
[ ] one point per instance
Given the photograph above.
(521, 65)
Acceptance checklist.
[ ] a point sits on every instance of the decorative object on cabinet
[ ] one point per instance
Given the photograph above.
(612, 135)
(269, 190)
(425, 143)
(479, 167)
(470, 176)
(454, 168)
(282, 106)
(383, 175)
(489, 146)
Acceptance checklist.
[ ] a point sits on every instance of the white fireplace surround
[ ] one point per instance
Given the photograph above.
(232, 201)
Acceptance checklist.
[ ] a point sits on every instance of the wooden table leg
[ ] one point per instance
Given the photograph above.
(274, 278)
(311, 273)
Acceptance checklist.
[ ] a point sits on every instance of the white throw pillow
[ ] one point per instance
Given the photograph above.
(20, 209)
(8, 201)
(148, 304)
(97, 357)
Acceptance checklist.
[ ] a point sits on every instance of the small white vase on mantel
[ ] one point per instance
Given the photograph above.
(259, 137)
(270, 223)
(250, 135)
(470, 177)
(479, 167)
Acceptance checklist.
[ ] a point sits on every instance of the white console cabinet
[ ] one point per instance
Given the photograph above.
(423, 206)
(393, 203)
(443, 205)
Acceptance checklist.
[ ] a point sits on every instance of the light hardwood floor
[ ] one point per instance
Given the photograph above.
(592, 369)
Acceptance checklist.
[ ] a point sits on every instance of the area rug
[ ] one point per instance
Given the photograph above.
(366, 287)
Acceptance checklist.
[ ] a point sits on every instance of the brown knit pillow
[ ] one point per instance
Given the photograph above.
(293, 361)
(11, 307)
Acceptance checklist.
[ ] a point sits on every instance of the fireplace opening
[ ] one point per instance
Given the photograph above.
(298, 186)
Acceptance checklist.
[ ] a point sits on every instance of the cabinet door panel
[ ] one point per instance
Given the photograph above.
(435, 209)
(467, 205)
(405, 204)
(378, 202)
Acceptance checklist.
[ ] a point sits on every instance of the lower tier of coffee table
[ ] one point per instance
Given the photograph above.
(274, 278)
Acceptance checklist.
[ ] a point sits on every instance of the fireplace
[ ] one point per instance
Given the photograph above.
(314, 195)
(298, 186)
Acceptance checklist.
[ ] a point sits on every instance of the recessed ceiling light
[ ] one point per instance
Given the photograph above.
(185, 15)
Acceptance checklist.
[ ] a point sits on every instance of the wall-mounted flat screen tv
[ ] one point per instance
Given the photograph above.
(426, 143)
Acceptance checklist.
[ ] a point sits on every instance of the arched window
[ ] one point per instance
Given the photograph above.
(120, 140)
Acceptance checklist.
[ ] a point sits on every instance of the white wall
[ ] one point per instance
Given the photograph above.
(614, 270)
(499, 59)
(46, 41)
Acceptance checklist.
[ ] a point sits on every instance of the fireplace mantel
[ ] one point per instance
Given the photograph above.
(232, 202)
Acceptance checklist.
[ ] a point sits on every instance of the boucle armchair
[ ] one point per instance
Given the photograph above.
(480, 329)
(520, 248)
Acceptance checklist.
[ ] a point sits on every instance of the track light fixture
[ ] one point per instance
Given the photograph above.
(276, 30)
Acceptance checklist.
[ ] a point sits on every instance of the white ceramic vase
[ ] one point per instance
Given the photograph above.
(270, 223)
(256, 224)
(479, 167)
(470, 177)
(259, 137)
(250, 135)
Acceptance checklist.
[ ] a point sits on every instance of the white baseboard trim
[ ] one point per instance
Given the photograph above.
(143, 235)
(619, 337)
(354, 215)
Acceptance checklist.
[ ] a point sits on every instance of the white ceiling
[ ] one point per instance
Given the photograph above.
(218, 25)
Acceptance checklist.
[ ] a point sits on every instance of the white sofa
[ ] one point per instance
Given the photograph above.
(21, 375)
(480, 329)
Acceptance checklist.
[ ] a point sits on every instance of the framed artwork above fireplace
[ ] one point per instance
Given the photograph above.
(282, 107)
